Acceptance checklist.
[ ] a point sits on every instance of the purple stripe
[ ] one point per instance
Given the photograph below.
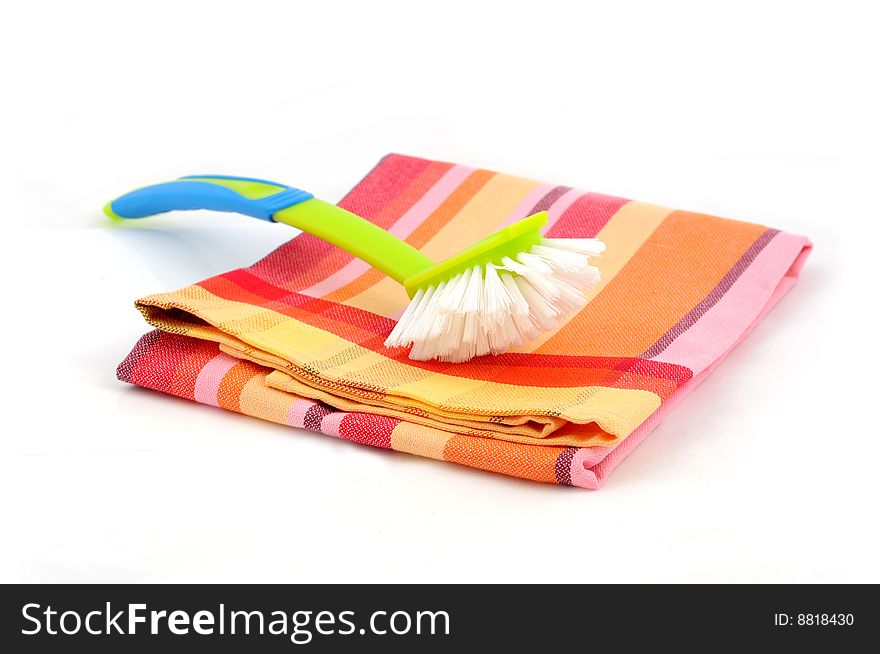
(547, 201)
(314, 416)
(712, 299)
(124, 370)
(563, 466)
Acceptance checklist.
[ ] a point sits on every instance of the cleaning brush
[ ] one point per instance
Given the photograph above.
(495, 295)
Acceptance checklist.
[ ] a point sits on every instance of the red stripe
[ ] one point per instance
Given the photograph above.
(553, 370)
(586, 216)
(368, 429)
(156, 367)
(242, 286)
(125, 369)
(369, 331)
(384, 183)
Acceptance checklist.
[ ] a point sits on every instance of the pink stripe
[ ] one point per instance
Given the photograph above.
(587, 472)
(345, 275)
(591, 466)
(208, 381)
(524, 208)
(430, 201)
(402, 228)
(330, 423)
(296, 415)
(560, 207)
(721, 325)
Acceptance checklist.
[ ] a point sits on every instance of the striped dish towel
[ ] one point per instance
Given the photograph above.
(297, 337)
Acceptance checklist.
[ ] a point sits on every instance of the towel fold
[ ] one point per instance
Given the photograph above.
(297, 338)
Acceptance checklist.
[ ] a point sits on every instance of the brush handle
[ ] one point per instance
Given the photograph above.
(382, 250)
(252, 197)
(277, 203)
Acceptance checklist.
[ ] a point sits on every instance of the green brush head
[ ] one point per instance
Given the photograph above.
(506, 242)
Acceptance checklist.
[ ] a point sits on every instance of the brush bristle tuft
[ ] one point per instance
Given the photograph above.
(491, 309)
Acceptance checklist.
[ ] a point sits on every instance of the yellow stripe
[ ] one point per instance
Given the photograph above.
(481, 216)
(258, 399)
(419, 440)
(554, 432)
(617, 411)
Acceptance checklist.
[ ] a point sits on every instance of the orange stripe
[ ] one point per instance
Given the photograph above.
(680, 263)
(422, 234)
(358, 286)
(450, 208)
(229, 393)
(534, 462)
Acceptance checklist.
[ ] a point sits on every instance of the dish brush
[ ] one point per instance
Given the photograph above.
(493, 296)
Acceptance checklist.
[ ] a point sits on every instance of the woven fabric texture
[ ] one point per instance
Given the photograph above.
(297, 338)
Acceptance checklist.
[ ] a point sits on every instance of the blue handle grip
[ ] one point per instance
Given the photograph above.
(251, 197)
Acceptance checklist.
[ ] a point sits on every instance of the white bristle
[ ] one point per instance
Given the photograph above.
(591, 247)
(491, 309)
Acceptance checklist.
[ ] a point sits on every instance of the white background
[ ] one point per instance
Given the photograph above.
(764, 111)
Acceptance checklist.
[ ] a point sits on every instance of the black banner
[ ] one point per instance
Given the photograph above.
(236, 618)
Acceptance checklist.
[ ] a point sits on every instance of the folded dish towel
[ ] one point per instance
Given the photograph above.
(297, 337)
